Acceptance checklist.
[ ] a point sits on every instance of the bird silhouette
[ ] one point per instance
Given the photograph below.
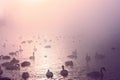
(6, 57)
(64, 72)
(99, 56)
(5, 64)
(14, 61)
(25, 64)
(48, 46)
(30, 41)
(73, 55)
(96, 74)
(69, 63)
(25, 75)
(13, 67)
(13, 53)
(88, 59)
(32, 57)
(23, 42)
(49, 74)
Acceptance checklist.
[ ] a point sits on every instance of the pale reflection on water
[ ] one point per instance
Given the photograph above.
(51, 57)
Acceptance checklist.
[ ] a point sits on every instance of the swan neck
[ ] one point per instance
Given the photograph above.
(48, 70)
(33, 54)
(63, 67)
(101, 71)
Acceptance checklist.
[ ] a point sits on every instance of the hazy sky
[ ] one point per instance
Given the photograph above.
(45, 15)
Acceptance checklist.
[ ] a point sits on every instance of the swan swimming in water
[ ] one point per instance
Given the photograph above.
(25, 75)
(74, 55)
(25, 64)
(64, 72)
(49, 74)
(96, 74)
(32, 57)
(69, 63)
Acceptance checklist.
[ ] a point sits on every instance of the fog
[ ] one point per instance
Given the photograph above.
(95, 23)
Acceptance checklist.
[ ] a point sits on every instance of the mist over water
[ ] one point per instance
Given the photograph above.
(59, 30)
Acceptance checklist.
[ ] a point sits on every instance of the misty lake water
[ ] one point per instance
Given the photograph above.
(52, 57)
(51, 53)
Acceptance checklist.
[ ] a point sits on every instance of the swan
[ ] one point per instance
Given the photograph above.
(25, 75)
(64, 72)
(6, 57)
(32, 57)
(96, 74)
(69, 63)
(13, 67)
(73, 55)
(25, 64)
(14, 61)
(49, 74)
(13, 53)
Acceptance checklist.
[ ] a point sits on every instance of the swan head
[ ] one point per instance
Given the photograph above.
(103, 68)
(63, 67)
(48, 70)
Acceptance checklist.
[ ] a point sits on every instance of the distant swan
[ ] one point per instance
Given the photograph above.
(73, 55)
(14, 61)
(13, 67)
(25, 64)
(6, 57)
(32, 57)
(69, 63)
(99, 56)
(2, 57)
